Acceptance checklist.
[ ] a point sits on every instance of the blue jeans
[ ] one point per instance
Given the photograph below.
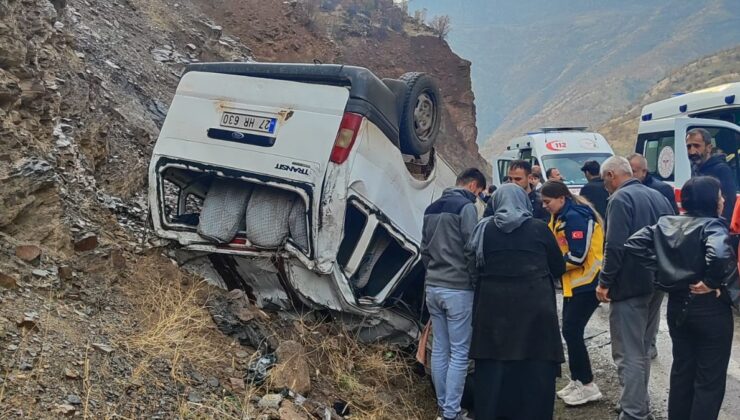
(451, 311)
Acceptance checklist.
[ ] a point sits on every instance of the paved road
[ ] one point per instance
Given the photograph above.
(605, 371)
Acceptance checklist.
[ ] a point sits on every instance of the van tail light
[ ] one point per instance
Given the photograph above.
(677, 193)
(346, 137)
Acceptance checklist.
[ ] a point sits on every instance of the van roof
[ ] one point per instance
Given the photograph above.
(690, 103)
(562, 142)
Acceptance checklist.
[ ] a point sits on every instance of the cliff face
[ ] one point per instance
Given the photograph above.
(376, 35)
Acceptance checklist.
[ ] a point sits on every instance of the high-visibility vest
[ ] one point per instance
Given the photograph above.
(584, 270)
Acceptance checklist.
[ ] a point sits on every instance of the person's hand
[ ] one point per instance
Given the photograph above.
(602, 294)
(702, 289)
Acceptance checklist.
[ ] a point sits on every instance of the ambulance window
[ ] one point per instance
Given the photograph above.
(503, 169)
(727, 142)
(526, 154)
(659, 150)
(730, 115)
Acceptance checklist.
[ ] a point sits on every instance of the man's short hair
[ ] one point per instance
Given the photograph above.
(548, 172)
(591, 167)
(521, 164)
(537, 175)
(641, 158)
(705, 135)
(616, 164)
(471, 174)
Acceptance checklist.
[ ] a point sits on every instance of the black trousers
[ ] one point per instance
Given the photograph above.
(701, 353)
(515, 390)
(577, 310)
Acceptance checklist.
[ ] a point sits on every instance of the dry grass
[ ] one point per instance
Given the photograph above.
(176, 326)
(376, 380)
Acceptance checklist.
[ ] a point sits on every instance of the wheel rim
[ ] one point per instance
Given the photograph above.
(425, 117)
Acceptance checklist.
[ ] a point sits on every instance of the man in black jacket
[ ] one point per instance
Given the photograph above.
(640, 170)
(634, 309)
(703, 162)
(519, 172)
(594, 190)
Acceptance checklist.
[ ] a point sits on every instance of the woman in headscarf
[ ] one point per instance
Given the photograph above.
(516, 339)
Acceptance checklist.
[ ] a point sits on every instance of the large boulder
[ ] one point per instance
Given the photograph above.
(292, 369)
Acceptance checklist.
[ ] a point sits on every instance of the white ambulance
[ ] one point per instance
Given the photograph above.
(564, 148)
(661, 136)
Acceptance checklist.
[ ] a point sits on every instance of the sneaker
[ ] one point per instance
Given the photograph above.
(567, 390)
(583, 394)
(463, 415)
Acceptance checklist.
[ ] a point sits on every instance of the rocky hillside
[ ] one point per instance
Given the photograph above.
(94, 321)
(544, 62)
(370, 33)
(708, 71)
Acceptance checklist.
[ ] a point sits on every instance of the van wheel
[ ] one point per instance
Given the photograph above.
(421, 115)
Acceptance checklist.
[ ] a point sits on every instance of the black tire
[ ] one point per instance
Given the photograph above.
(421, 114)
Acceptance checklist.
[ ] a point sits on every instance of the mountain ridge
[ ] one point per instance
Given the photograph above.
(563, 63)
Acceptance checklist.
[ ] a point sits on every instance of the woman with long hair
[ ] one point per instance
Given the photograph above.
(578, 230)
(694, 262)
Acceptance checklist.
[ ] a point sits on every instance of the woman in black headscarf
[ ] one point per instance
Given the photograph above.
(516, 339)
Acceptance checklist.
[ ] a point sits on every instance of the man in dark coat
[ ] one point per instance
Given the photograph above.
(448, 223)
(704, 163)
(594, 190)
(640, 170)
(635, 309)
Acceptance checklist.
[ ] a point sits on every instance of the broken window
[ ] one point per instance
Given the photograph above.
(383, 261)
(354, 224)
(372, 257)
(222, 209)
(183, 197)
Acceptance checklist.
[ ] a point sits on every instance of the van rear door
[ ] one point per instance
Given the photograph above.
(277, 128)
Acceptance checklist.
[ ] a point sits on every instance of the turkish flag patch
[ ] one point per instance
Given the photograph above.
(577, 234)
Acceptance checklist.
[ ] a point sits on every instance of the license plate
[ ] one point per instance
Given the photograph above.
(249, 122)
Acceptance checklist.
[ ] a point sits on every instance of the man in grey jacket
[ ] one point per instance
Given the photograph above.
(448, 224)
(635, 308)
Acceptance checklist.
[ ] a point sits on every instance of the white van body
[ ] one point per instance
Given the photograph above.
(363, 217)
(661, 136)
(564, 148)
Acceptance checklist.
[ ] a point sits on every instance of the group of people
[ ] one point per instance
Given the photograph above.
(491, 286)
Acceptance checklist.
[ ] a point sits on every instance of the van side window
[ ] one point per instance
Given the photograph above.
(727, 142)
(503, 169)
(371, 256)
(660, 150)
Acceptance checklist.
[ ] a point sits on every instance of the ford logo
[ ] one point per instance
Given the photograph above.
(237, 136)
